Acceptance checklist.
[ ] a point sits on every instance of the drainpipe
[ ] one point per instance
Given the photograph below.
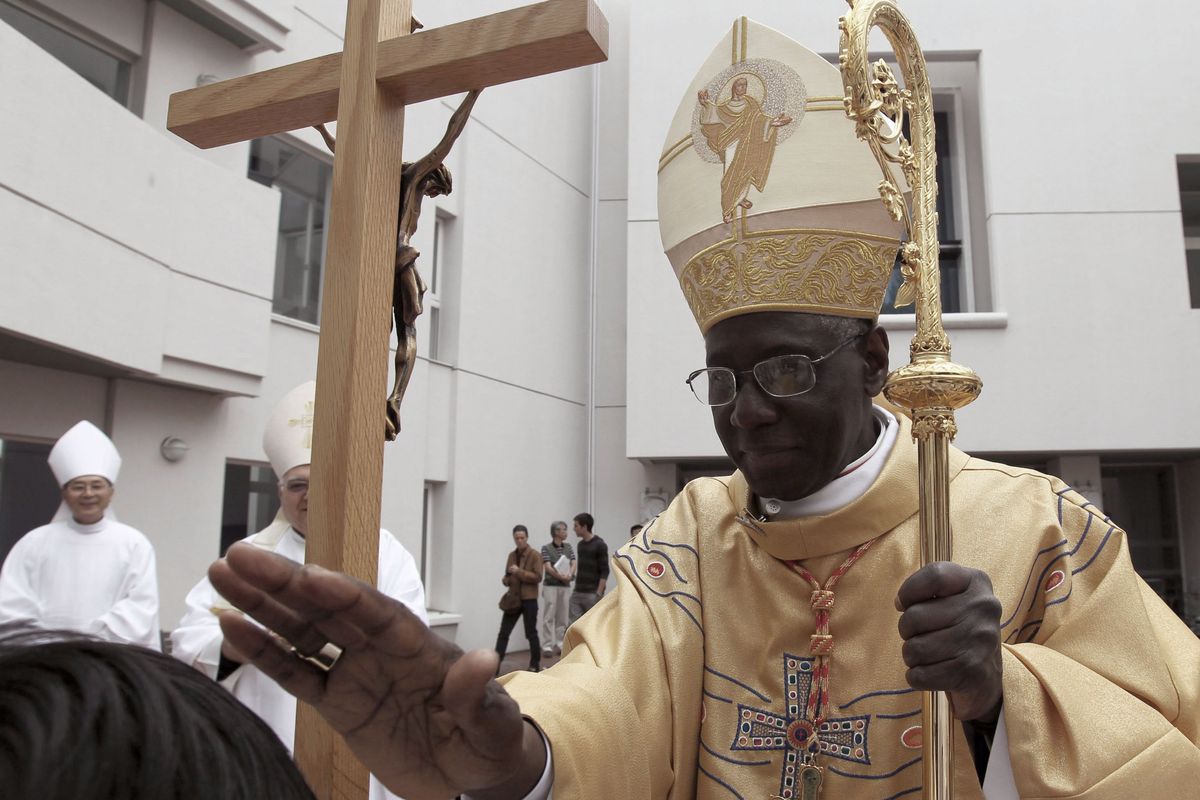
(589, 497)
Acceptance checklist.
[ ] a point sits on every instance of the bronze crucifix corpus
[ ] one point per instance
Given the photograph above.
(425, 177)
(365, 88)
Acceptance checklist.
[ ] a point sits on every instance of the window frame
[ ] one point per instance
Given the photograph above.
(954, 84)
(255, 490)
(1191, 243)
(305, 149)
(134, 77)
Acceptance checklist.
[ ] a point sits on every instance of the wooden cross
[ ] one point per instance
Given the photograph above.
(365, 88)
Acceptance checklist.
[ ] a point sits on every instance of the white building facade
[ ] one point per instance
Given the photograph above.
(172, 295)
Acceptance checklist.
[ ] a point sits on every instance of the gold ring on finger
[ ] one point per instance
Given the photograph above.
(324, 659)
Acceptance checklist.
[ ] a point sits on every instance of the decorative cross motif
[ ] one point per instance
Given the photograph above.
(305, 421)
(844, 738)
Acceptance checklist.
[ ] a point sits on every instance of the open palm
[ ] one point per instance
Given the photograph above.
(424, 717)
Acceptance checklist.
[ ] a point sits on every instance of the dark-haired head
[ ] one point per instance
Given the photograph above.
(86, 718)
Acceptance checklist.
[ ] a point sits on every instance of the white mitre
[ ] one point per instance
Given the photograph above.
(287, 439)
(767, 200)
(84, 450)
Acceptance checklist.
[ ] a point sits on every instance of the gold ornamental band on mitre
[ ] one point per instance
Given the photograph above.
(841, 273)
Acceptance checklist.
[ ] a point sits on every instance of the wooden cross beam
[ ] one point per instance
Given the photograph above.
(486, 51)
(365, 88)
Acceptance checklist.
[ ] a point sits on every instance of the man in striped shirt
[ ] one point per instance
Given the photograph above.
(556, 587)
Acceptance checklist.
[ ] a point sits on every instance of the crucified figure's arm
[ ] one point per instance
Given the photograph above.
(426, 176)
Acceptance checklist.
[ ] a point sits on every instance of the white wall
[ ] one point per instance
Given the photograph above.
(106, 250)
(43, 403)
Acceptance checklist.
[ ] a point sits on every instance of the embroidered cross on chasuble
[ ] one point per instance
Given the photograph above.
(762, 730)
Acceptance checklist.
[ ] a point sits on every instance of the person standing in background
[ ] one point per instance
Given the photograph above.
(85, 571)
(558, 563)
(592, 572)
(522, 574)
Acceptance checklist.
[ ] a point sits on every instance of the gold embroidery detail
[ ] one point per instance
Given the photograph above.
(674, 152)
(305, 421)
(820, 271)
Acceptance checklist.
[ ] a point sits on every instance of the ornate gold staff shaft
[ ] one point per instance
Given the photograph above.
(930, 386)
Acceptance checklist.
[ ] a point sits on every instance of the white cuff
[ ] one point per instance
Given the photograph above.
(998, 780)
(542, 791)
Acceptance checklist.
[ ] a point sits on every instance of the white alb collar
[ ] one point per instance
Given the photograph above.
(853, 482)
(95, 527)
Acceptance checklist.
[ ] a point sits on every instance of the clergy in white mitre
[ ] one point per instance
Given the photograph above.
(198, 641)
(84, 571)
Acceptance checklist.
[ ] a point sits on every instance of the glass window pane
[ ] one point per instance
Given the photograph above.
(1189, 196)
(951, 256)
(251, 501)
(29, 495)
(1189, 202)
(106, 72)
(434, 329)
(1193, 268)
(303, 182)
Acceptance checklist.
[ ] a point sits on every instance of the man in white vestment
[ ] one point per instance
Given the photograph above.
(84, 571)
(198, 640)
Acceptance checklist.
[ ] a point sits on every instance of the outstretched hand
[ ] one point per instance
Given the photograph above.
(951, 632)
(425, 718)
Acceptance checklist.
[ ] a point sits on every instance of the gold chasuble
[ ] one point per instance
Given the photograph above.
(690, 679)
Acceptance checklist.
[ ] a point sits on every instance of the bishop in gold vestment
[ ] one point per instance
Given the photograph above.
(697, 678)
(709, 630)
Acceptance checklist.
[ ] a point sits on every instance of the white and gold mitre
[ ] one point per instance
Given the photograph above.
(288, 436)
(766, 200)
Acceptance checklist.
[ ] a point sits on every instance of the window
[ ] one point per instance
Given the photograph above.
(1189, 201)
(433, 298)
(426, 535)
(29, 494)
(437, 547)
(305, 182)
(1141, 498)
(965, 280)
(251, 501)
(102, 69)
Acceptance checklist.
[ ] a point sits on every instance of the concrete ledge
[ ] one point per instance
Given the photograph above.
(444, 623)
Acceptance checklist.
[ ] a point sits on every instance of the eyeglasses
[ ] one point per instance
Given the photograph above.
(781, 376)
(296, 486)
